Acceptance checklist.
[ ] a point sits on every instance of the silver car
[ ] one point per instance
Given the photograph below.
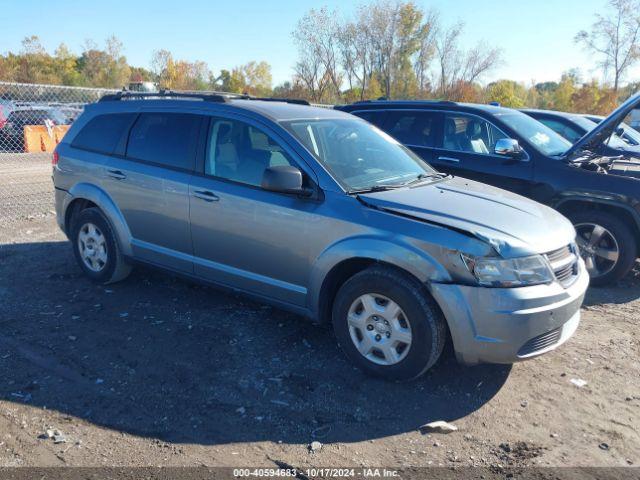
(320, 213)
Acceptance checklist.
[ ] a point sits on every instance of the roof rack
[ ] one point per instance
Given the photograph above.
(217, 97)
(383, 100)
(207, 97)
(295, 101)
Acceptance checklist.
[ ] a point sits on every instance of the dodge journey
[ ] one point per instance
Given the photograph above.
(318, 212)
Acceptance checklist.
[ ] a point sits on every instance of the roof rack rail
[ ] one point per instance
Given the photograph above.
(218, 97)
(207, 97)
(381, 100)
(296, 101)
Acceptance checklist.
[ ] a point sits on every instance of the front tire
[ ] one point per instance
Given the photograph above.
(606, 244)
(388, 325)
(96, 249)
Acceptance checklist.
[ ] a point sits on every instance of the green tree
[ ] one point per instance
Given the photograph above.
(507, 93)
(563, 95)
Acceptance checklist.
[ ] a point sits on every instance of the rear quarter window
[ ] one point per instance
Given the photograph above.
(103, 132)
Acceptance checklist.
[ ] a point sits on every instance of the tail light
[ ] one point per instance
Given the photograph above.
(54, 158)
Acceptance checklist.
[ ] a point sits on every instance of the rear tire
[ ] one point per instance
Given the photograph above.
(388, 324)
(614, 236)
(96, 248)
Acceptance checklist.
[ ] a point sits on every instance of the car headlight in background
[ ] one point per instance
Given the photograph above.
(510, 272)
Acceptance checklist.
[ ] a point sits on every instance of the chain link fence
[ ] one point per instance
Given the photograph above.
(33, 119)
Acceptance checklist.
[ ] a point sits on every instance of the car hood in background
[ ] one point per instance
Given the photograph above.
(593, 139)
(513, 225)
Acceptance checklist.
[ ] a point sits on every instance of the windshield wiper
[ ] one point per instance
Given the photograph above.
(392, 186)
(424, 176)
(374, 188)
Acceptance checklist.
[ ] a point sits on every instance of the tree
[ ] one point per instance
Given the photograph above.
(317, 35)
(34, 64)
(507, 93)
(66, 65)
(179, 74)
(104, 68)
(615, 38)
(563, 95)
(256, 78)
(457, 66)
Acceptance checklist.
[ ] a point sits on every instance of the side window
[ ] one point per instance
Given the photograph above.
(102, 133)
(562, 129)
(413, 128)
(240, 152)
(375, 118)
(466, 133)
(168, 139)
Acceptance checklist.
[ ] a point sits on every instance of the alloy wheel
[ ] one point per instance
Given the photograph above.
(598, 247)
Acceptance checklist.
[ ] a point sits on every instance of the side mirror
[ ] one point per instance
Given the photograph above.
(508, 147)
(620, 131)
(284, 179)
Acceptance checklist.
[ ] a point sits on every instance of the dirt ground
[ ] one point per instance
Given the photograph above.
(159, 371)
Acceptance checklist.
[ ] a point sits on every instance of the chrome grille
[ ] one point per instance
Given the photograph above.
(559, 254)
(564, 263)
(540, 342)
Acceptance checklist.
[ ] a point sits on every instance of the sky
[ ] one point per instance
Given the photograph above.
(536, 36)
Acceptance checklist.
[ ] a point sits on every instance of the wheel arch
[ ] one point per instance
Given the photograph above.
(84, 195)
(343, 260)
(623, 212)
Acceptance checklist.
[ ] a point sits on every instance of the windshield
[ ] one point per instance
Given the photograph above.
(358, 154)
(633, 136)
(540, 136)
(587, 124)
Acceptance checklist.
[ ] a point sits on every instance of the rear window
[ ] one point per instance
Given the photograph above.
(167, 139)
(102, 133)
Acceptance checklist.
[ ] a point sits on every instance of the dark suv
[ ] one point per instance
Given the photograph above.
(508, 149)
(573, 127)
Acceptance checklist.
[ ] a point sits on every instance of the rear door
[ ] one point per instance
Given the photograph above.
(418, 130)
(149, 182)
(467, 150)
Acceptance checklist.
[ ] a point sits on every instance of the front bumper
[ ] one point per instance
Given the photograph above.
(506, 325)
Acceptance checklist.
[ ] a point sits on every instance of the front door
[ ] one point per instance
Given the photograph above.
(467, 150)
(243, 236)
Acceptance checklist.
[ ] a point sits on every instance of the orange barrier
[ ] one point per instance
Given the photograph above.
(38, 138)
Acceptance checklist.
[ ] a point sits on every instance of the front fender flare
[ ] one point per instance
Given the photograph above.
(403, 256)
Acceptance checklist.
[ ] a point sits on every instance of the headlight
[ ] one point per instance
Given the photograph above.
(514, 272)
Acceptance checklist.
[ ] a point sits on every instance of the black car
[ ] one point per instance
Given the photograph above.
(573, 127)
(508, 149)
(12, 131)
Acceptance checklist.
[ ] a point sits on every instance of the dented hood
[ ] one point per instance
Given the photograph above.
(513, 225)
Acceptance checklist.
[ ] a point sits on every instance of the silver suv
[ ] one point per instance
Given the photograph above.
(318, 212)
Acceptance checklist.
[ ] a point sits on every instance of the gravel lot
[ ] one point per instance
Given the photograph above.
(159, 371)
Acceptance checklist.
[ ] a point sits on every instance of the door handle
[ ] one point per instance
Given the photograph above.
(117, 174)
(449, 159)
(206, 195)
